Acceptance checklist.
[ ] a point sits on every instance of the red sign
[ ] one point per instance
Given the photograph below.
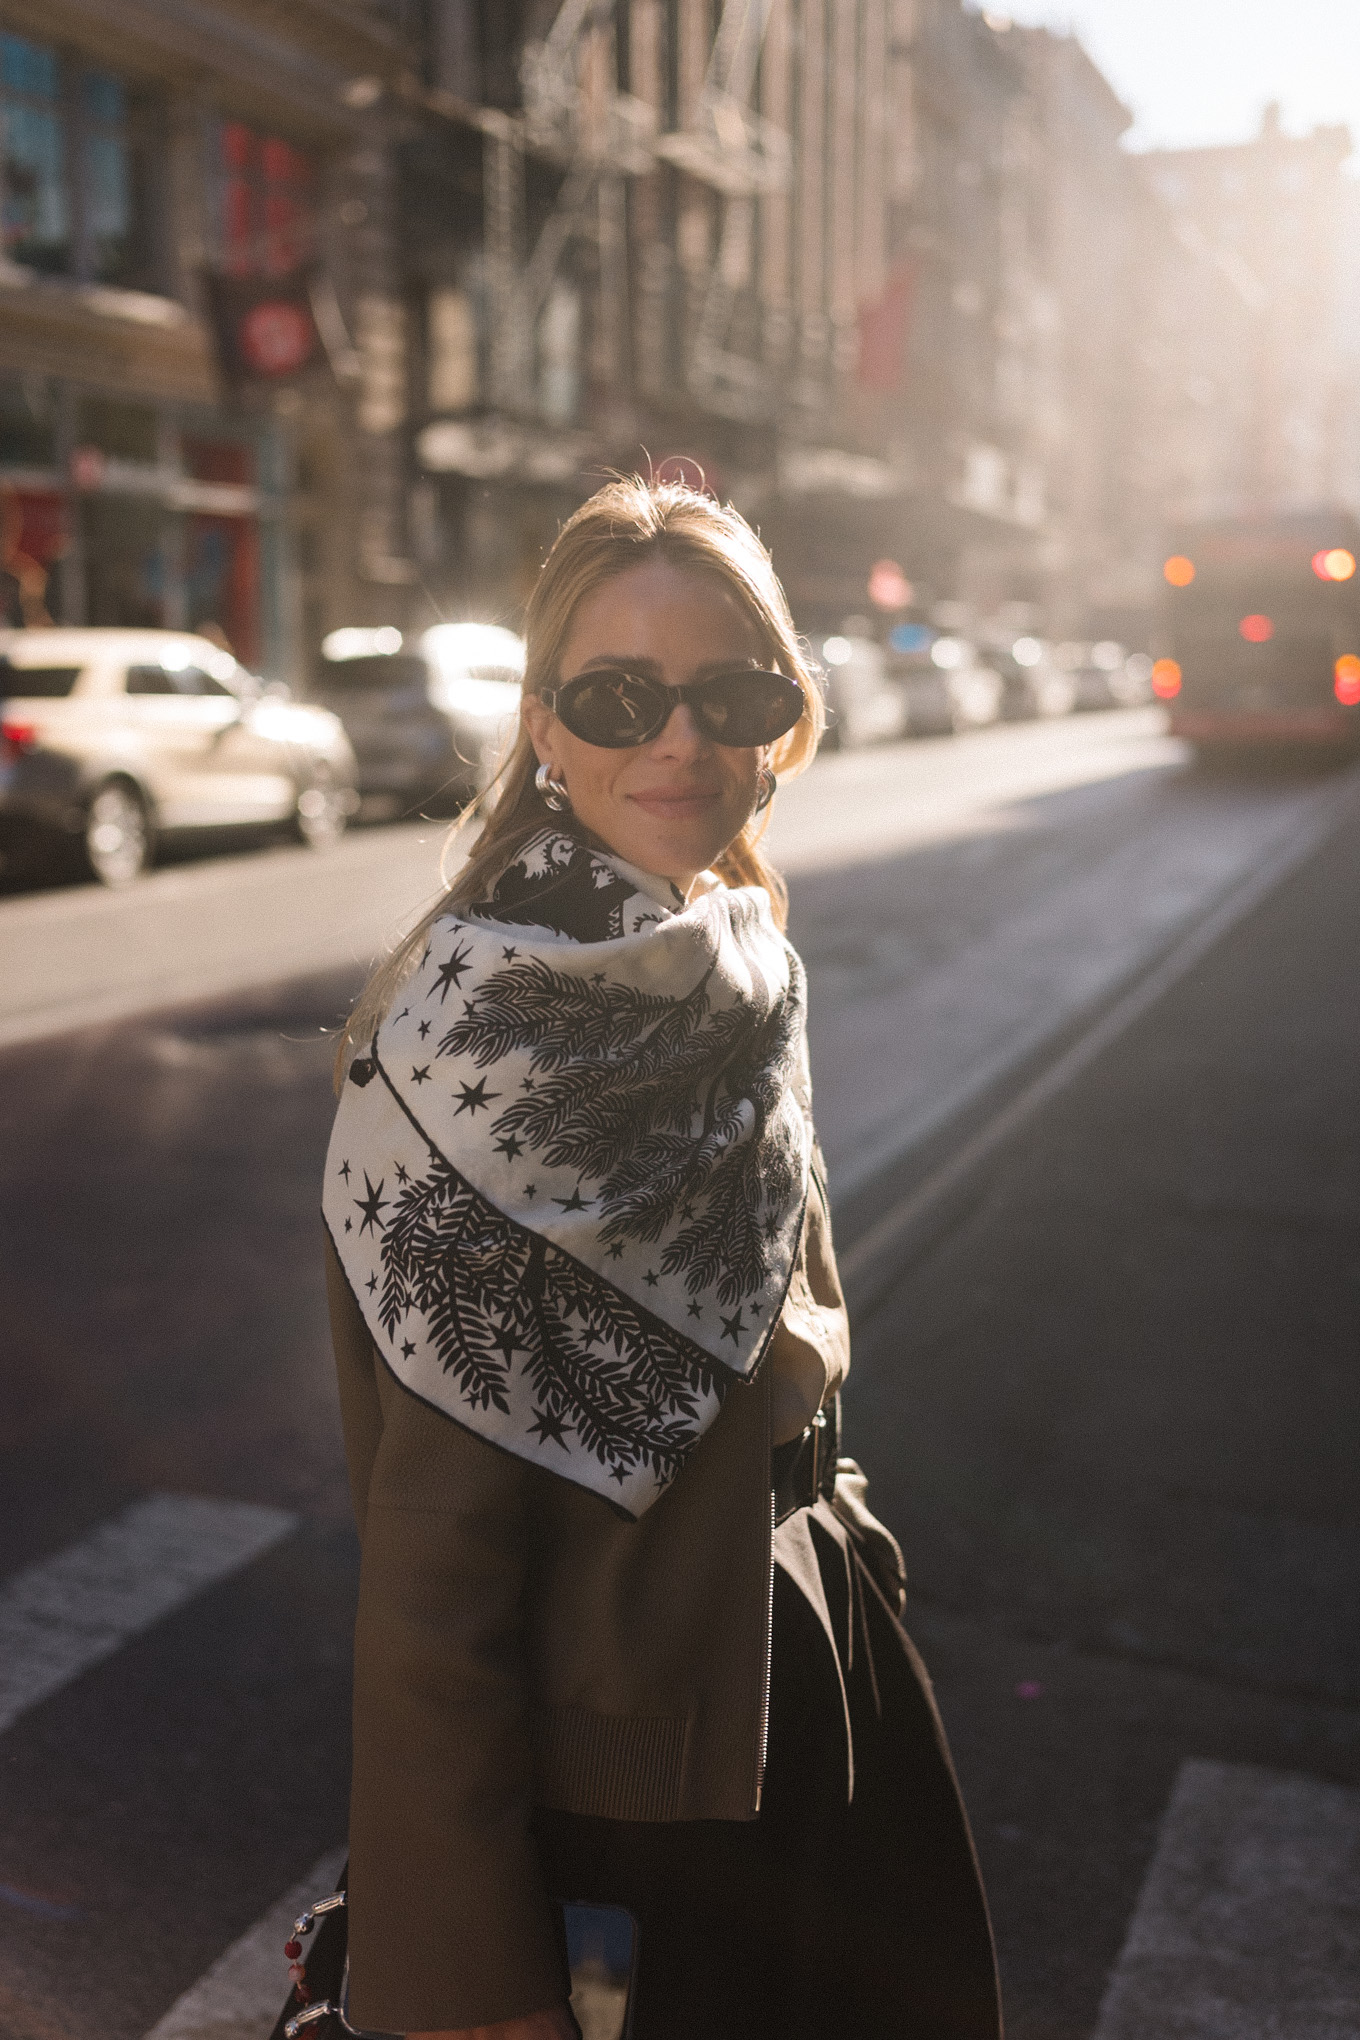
(276, 337)
(265, 328)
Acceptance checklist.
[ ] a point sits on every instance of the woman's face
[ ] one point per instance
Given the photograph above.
(675, 804)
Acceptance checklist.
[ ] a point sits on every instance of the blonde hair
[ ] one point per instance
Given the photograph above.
(627, 523)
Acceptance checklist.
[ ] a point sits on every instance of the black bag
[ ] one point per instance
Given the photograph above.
(599, 1951)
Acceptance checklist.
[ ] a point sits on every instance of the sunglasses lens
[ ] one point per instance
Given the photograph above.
(617, 710)
(744, 709)
(611, 709)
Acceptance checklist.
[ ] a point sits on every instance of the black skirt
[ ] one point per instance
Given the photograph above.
(819, 1920)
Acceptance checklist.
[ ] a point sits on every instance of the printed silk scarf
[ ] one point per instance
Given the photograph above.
(566, 1182)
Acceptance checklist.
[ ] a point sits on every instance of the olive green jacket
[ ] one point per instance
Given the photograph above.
(520, 1644)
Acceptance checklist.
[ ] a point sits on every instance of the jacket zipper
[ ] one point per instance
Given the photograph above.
(763, 1750)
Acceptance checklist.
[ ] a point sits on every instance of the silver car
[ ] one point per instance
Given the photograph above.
(428, 716)
(863, 706)
(1106, 676)
(111, 740)
(945, 683)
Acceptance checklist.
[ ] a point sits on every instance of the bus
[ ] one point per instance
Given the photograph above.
(1260, 632)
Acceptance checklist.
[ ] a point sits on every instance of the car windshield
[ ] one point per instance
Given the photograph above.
(378, 670)
(37, 683)
(173, 680)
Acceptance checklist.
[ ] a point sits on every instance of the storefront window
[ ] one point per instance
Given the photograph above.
(222, 553)
(265, 201)
(123, 430)
(33, 540)
(108, 183)
(127, 545)
(79, 156)
(218, 460)
(36, 213)
(222, 581)
(28, 422)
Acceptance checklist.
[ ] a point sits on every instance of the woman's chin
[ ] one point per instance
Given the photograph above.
(672, 838)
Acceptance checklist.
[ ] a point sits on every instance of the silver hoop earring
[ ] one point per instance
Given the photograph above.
(552, 792)
(766, 786)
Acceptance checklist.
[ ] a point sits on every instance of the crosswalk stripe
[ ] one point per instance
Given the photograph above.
(239, 1997)
(68, 1612)
(1247, 1926)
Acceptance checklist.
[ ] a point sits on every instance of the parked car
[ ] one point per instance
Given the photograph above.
(111, 740)
(426, 716)
(1033, 682)
(1135, 688)
(945, 683)
(863, 706)
(1106, 675)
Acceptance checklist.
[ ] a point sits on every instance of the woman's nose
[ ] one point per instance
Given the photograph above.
(682, 736)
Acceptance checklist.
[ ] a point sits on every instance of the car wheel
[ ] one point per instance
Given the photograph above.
(324, 806)
(117, 837)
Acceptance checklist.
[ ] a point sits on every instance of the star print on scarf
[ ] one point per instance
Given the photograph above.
(570, 1207)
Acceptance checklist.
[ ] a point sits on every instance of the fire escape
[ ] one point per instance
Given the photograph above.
(575, 117)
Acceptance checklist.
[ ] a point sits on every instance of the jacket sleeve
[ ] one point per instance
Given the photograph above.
(450, 1923)
(810, 1350)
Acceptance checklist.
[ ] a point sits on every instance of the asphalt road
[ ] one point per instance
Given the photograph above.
(1108, 1399)
(1113, 1415)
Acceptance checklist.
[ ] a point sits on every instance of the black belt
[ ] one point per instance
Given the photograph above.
(804, 1470)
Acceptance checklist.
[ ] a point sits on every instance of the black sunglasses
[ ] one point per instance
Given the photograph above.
(615, 710)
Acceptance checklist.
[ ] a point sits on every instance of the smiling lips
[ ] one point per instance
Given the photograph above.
(678, 804)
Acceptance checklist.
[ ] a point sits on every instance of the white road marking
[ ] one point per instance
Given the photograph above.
(71, 1611)
(239, 1998)
(1311, 824)
(1248, 1926)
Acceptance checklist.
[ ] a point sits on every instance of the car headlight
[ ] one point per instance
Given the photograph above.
(461, 694)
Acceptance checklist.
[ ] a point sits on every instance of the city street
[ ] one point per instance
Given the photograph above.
(1083, 1019)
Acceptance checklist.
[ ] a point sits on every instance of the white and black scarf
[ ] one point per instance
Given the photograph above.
(567, 1179)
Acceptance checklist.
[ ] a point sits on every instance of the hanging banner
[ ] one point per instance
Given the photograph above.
(266, 330)
(883, 331)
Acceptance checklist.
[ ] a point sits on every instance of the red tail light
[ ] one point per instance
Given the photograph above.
(1346, 685)
(18, 736)
(1166, 679)
(1257, 630)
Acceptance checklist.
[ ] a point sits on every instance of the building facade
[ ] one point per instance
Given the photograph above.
(174, 179)
(796, 246)
(1273, 215)
(329, 315)
(648, 232)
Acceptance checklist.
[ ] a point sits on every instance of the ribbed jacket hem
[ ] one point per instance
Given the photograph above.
(614, 1766)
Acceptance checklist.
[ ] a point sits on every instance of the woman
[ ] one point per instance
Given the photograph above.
(587, 1324)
